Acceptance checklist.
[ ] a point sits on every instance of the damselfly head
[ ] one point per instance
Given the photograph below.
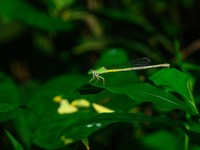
(90, 71)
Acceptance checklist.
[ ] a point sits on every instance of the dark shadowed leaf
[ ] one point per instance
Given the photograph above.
(15, 143)
(89, 89)
(32, 16)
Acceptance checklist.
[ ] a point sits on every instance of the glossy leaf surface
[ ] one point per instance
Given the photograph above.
(86, 127)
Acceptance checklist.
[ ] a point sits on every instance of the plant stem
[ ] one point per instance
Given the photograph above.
(186, 142)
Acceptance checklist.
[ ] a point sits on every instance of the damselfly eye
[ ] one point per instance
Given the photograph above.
(90, 71)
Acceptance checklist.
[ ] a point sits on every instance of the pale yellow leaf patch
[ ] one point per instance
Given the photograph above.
(101, 109)
(81, 103)
(65, 140)
(57, 99)
(66, 107)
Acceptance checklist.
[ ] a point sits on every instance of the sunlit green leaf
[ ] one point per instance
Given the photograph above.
(146, 92)
(174, 81)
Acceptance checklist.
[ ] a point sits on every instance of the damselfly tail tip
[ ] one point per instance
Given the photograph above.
(166, 65)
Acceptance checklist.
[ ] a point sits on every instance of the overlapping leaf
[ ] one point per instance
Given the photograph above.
(85, 127)
(175, 81)
(146, 92)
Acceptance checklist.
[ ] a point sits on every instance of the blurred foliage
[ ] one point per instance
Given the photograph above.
(47, 48)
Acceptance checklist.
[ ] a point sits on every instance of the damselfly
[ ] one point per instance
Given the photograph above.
(136, 64)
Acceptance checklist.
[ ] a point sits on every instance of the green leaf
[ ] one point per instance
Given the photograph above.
(15, 143)
(191, 66)
(51, 124)
(46, 129)
(59, 4)
(9, 97)
(190, 94)
(109, 57)
(174, 81)
(191, 78)
(125, 16)
(4, 107)
(8, 90)
(65, 83)
(49, 127)
(32, 16)
(85, 127)
(86, 143)
(146, 92)
(161, 137)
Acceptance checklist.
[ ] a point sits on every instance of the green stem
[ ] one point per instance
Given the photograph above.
(186, 141)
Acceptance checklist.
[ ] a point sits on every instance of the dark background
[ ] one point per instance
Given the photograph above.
(43, 39)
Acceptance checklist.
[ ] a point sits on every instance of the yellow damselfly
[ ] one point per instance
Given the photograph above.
(137, 64)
